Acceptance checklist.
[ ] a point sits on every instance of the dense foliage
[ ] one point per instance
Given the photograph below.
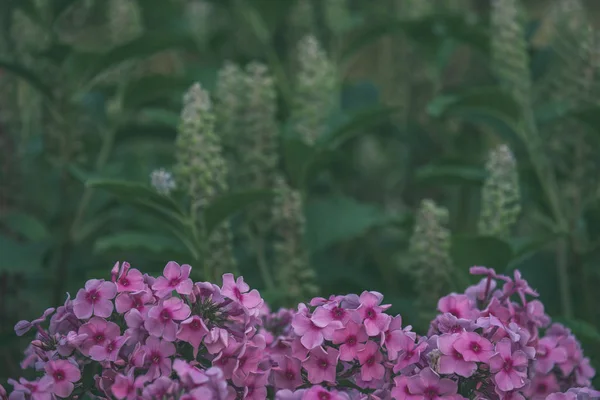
(312, 146)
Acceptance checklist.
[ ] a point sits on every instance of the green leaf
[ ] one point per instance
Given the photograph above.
(580, 328)
(551, 111)
(467, 251)
(449, 174)
(26, 225)
(589, 116)
(27, 75)
(230, 204)
(331, 220)
(160, 116)
(525, 248)
(152, 88)
(20, 257)
(297, 157)
(360, 122)
(136, 241)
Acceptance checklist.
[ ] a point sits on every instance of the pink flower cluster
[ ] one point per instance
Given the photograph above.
(140, 337)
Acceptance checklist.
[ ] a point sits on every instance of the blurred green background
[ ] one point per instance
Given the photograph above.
(351, 144)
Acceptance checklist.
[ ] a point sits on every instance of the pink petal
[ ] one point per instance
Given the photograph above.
(82, 309)
(172, 270)
(185, 287)
(185, 271)
(182, 313)
(107, 290)
(252, 299)
(103, 308)
(370, 299)
(154, 327)
(242, 286)
(447, 386)
(98, 353)
(63, 389)
(312, 339)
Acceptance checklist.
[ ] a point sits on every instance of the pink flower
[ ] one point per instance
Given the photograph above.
(519, 286)
(157, 354)
(255, 386)
(451, 361)
(510, 368)
(192, 330)
(126, 387)
(371, 359)
(350, 338)
(401, 390)
(371, 313)
(239, 291)
(97, 331)
(22, 327)
(139, 300)
(175, 278)
(320, 393)
(129, 280)
(34, 390)
(63, 374)
(541, 386)
(311, 334)
(321, 365)
(458, 305)
(429, 385)
(109, 350)
(330, 312)
(135, 326)
(95, 299)
(287, 373)
(548, 354)
(161, 318)
(410, 353)
(473, 347)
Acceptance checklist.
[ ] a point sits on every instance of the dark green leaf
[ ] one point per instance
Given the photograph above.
(590, 117)
(297, 157)
(152, 88)
(551, 111)
(525, 248)
(230, 204)
(27, 75)
(467, 251)
(449, 174)
(136, 241)
(20, 257)
(580, 328)
(25, 225)
(336, 219)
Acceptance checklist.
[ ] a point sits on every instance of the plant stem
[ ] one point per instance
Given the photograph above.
(259, 246)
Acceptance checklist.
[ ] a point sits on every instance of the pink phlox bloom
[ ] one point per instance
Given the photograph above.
(157, 354)
(216, 340)
(95, 299)
(137, 357)
(299, 351)
(573, 351)
(255, 386)
(321, 365)
(175, 278)
(64, 320)
(510, 368)
(239, 291)
(498, 310)
(162, 317)
(318, 392)
(458, 305)
(536, 313)
(192, 330)
(64, 374)
(67, 344)
(541, 386)
(586, 393)
(429, 385)
(520, 287)
(524, 338)
(410, 353)
(127, 386)
(248, 362)
(491, 324)
(98, 331)
(287, 373)
(228, 359)
(287, 394)
(474, 347)
(135, 326)
(105, 381)
(350, 338)
(129, 280)
(584, 372)
(451, 361)
(161, 388)
(393, 337)
(22, 327)
(400, 391)
(330, 312)
(140, 300)
(490, 272)
(448, 323)
(511, 395)
(34, 390)
(371, 313)
(478, 291)
(109, 350)
(371, 359)
(188, 374)
(312, 335)
(562, 396)
(318, 301)
(548, 354)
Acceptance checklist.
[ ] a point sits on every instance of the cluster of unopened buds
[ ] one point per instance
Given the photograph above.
(139, 337)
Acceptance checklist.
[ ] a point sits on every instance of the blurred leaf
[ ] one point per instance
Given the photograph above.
(589, 116)
(449, 174)
(20, 257)
(230, 204)
(136, 241)
(467, 251)
(297, 156)
(429, 33)
(157, 115)
(551, 111)
(152, 88)
(27, 75)
(25, 225)
(330, 220)
(525, 248)
(580, 328)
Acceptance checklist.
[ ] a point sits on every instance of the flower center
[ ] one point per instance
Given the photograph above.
(323, 363)
(59, 375)
(99, 338)
(324, 396)
(289, 374)
(174, 282)
(155, 358)
(371, 313)
(456, 329)
(454, 312)
(195, 324)
(475, 347)
(541, 388)
(165, 315)
(337, 313)
(430, 393)
(124, 282)
(92, 295)
(110, 347)
(370, 361)
(238, 295)
(507, 365)
(351, 340)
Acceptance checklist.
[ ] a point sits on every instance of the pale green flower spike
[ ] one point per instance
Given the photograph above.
(315, 95)
(429, 251)
(294, 273)
(125, 22)
(337, 15)
(201, 171)
(500, 196)
(229, 97)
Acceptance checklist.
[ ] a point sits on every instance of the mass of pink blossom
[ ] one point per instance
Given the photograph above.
(135, 336)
